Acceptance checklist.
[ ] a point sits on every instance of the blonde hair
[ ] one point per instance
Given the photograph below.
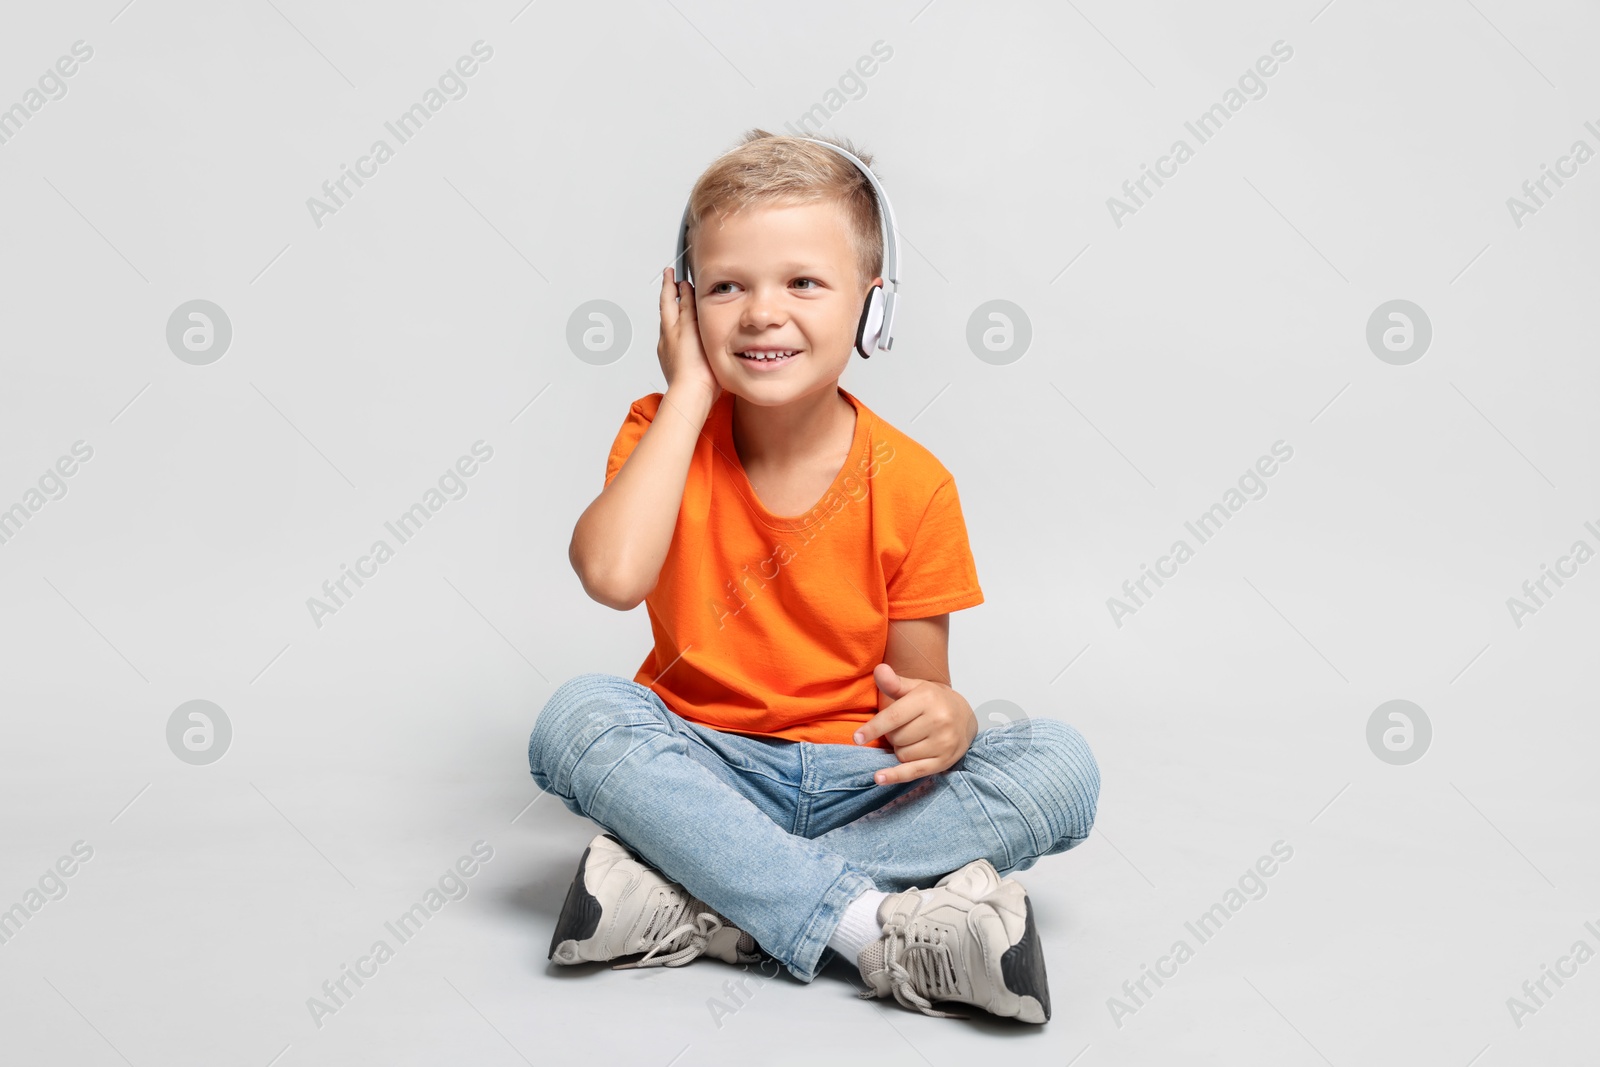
(770, 168)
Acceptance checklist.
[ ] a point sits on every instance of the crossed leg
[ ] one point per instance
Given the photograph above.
(708, 809)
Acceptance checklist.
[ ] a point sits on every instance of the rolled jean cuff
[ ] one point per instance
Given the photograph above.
(813, 940)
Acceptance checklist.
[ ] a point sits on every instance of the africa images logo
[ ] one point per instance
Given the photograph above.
(452, 85)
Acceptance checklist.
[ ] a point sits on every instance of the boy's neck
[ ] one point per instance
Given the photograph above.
(794, 432)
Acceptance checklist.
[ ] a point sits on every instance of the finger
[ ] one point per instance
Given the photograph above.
(907, 772)
(890, 718)
(927, 748)
(892, 682)
(918, 729)
(908, 736)
(669, 299)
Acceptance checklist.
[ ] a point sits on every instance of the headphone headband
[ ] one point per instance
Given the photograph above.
(891, 249)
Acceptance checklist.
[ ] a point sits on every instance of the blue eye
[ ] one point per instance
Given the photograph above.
(813, 281)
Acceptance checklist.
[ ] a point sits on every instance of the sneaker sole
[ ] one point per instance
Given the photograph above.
(1022, 968)
(580, 912)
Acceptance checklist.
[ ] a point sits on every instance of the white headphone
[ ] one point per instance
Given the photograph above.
(876, 328)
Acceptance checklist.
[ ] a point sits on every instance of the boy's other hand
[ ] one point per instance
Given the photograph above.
(683, 360)
(930, 725)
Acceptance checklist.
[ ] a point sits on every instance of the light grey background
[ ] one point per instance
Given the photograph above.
(1167, 354)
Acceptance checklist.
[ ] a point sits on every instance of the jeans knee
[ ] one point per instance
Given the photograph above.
(575, 712)
(1062, 777)
(1079, 779)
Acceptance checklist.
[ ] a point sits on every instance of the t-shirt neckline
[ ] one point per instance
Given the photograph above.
(741, 480)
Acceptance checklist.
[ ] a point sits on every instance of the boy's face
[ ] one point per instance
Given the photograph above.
(778, 277)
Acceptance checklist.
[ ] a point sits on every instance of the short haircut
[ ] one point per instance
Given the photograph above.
(770, 168)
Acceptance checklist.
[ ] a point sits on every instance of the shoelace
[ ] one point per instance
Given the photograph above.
(699, 931)
(930, 967)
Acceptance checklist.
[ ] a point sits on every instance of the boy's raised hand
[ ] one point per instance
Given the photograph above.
(683, 360)
(930, 725)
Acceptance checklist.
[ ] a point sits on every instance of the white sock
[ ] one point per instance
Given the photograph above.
(859, 927)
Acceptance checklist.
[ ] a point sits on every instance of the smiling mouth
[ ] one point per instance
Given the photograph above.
(772, 357)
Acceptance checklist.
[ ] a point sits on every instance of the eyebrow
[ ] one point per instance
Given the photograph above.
(792, 267)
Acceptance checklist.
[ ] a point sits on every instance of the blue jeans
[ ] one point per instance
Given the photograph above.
(779, 836)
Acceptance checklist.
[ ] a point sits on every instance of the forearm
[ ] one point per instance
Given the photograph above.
(621, 539)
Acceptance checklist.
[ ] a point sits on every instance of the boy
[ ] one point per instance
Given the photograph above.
(789, 764)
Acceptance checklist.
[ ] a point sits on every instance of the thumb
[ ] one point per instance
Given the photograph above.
(895, 685)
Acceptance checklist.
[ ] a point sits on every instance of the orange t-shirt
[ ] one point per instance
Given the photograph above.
(771, 626)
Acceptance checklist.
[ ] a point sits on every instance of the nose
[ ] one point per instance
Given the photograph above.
(763, 309)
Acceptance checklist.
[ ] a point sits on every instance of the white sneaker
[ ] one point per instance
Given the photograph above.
(969, 939)
(619, 906)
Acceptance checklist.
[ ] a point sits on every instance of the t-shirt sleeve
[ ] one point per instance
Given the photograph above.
(938, 573)
(633, 427)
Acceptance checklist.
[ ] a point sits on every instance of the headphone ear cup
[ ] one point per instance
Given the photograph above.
(870, 327)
